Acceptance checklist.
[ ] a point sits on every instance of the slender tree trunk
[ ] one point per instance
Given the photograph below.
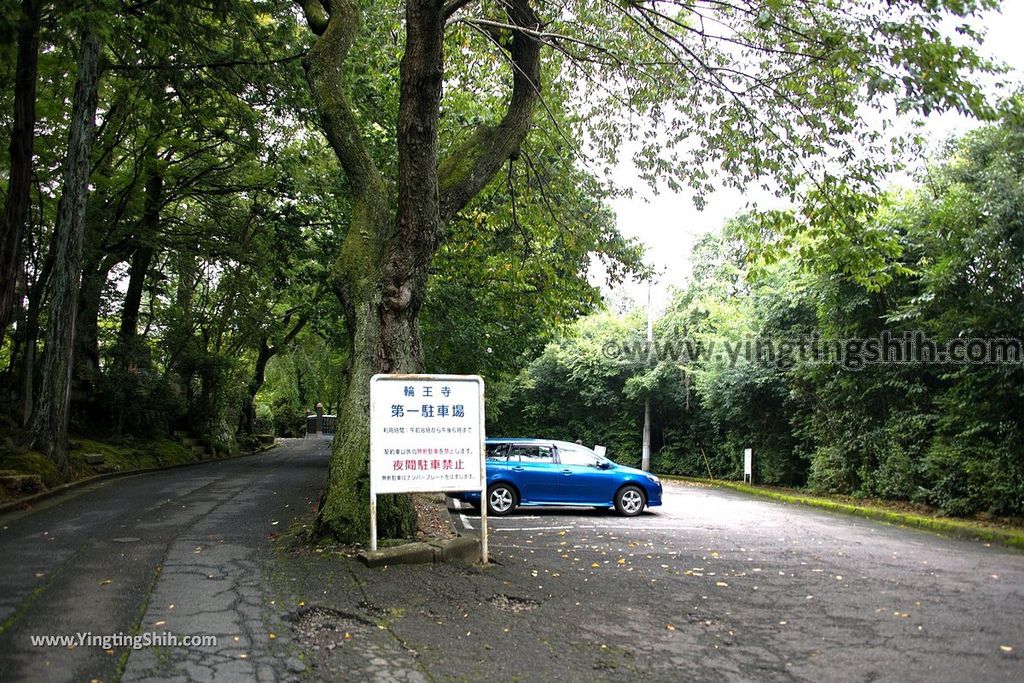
(20, 177)
(247, 422)
(50, 418)
(143, 256)
(142, 259)
(30, 337)
(90, 298)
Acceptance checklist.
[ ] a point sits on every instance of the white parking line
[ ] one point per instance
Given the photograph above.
(594, 527)
(465, 522)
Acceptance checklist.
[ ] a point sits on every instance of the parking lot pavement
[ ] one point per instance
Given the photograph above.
(718, 582)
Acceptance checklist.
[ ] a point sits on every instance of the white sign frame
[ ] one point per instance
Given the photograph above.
(748, 465)
(381, 419)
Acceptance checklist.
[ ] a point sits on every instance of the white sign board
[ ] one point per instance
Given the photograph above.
(426, 433)
(748, 465)
(600, 450)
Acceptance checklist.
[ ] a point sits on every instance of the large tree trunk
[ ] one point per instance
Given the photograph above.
(20, 177)
(50, 418)
(380, 276)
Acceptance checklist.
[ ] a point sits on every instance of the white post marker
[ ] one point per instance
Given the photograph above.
(748, 465)
(427, 435)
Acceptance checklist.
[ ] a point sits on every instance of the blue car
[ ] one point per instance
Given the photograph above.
(544, 472)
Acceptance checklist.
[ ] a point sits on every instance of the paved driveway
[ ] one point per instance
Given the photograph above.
(722, 585)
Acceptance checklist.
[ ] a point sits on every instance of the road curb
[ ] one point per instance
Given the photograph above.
(463, 548)
(19, 504)
(942, 526)
(458, 549)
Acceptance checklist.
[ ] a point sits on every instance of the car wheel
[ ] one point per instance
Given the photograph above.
(629, 501)
(501, 499)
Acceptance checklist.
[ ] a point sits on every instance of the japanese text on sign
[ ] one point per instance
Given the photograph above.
(426, 433)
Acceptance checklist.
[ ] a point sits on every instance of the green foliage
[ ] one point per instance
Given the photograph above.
(948, 264)
(515, 266)
(575, 391)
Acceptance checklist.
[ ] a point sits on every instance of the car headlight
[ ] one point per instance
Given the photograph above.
(653, 478)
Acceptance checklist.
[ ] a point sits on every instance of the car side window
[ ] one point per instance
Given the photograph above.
(534, 454)
(572, 456)
(497, 451)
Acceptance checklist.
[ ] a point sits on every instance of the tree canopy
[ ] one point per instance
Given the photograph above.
(939, 431)
(202, 198)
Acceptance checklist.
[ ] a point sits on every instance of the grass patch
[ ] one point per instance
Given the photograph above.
(1004, 533)
(32, 462)
(124, 456)
(133, 455)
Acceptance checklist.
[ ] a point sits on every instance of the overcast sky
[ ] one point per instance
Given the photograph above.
(669, 224)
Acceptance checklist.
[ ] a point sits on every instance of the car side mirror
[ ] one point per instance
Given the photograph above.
(604, 465)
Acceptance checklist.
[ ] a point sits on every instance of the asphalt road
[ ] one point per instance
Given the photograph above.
(182, 551)
(713, 585)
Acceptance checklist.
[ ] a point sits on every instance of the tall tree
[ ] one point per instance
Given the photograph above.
(381, 274)
(50, 419)
(16, 205)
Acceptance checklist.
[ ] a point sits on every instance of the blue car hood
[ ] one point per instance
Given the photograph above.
(630, 470)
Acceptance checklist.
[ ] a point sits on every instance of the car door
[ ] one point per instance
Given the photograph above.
(582, 480)
(535, 474)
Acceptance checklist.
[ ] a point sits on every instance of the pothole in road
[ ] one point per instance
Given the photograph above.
(372, 609)
(510, 603)
(322, 627)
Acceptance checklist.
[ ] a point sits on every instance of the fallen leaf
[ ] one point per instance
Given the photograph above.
(1006, 648)
(721, 584)
(105, 582)
(670, 627)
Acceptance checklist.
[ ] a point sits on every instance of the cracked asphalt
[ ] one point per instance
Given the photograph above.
(714, 585)
(184, 551)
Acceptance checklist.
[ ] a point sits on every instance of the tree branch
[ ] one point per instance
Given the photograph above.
(454, 6)
(316, 15)
(222, 64)
(422, 74)
(324, 66)
(477, 160)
